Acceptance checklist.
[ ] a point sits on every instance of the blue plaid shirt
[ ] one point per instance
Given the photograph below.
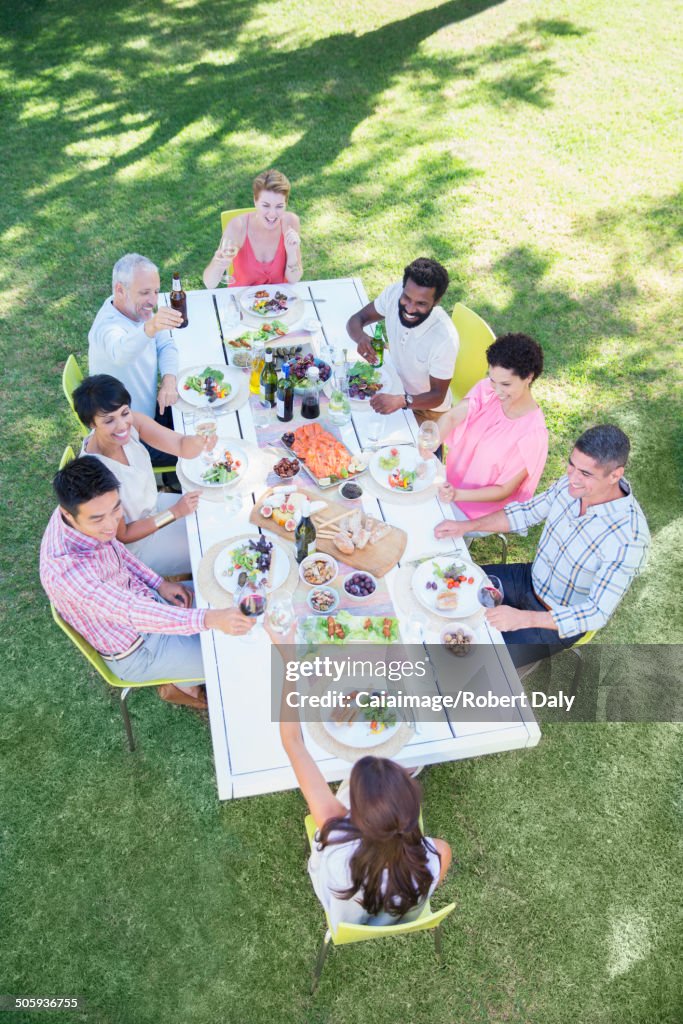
(584, 563)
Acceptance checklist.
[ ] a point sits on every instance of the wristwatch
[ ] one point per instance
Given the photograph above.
(409, 401)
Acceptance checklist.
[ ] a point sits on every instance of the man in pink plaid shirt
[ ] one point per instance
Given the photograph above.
(143, 626)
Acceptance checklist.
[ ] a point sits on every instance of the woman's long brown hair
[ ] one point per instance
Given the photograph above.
(385, 818)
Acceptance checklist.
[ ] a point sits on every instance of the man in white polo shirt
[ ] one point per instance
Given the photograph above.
(423, 340)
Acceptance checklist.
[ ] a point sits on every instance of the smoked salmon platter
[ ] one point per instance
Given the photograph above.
(324, 457)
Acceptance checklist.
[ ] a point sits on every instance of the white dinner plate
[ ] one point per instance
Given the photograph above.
(202, 401)
(293, 310)
(194, 468)
(359, 735)
(468, 602)
(280, 566)
(409, 459)
(391, 385)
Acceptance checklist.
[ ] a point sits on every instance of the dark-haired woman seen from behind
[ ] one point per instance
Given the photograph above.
(497, 438)
(370, 864)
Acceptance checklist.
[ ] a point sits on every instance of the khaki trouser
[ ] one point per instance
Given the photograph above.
(428, 414)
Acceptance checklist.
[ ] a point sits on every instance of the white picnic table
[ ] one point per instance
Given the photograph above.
(249, 757)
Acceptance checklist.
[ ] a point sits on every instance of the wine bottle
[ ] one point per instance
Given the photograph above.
(304, 535)
(310, 403)
(285, 397)
(268, 380)
(179, 299)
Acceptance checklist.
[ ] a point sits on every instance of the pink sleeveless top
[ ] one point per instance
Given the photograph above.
(249, 271)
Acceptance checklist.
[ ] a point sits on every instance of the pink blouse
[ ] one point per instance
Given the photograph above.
(248, 270)
(487, 449)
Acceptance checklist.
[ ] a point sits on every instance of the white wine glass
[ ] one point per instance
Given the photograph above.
(230, 250)
(232, 502)
(281, 615)
(206, 426)
(374, 429)
(427, 439)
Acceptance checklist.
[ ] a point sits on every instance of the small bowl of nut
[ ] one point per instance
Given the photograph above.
(287, 468)
(318, 569)
(458, 639)
(323, 600)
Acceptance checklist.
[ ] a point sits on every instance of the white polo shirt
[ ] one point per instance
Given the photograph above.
(418, 353)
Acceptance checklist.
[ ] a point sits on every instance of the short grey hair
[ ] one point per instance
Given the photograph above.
(124, 269)
(607, 444)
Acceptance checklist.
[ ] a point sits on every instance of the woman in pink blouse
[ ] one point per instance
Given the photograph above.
(497, 438)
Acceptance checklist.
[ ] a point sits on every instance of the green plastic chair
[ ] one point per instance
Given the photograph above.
(68, 455)
(346, 933)
(71, 378)
(99, 664)
(475, 337)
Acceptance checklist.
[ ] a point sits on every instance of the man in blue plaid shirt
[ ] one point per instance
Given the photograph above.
(593, 544)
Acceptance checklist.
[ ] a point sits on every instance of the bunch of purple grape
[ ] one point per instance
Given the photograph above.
(431, 585)
(359, 585)
(264, 548)
(300, 365)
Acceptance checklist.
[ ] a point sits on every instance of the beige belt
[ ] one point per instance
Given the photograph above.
(124, 654)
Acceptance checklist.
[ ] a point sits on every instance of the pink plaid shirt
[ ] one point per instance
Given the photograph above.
(104, 592)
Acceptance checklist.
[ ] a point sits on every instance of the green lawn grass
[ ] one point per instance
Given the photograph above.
(532, 146)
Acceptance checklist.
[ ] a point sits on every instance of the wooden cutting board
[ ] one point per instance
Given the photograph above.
(376, 558)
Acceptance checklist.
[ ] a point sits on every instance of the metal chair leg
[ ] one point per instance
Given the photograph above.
(320, 962)
(503, 547)
(126, 717)
(578, 670)
(438, 946)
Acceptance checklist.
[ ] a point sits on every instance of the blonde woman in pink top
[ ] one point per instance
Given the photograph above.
(497, 438)
(264, 247)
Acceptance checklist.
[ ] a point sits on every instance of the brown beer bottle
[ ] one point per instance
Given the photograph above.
(179, 299)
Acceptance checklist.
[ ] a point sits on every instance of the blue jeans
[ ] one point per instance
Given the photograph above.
(526, 645)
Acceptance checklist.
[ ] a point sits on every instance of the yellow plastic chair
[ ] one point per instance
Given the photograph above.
(71, 378)
(475, 337)
(346, 933)
(99, 664)
(471, 365)
(226, 217)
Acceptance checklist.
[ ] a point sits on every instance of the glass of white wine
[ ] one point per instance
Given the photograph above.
(205, 425)
(230, 250)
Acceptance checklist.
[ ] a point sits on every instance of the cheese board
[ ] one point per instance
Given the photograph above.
(367, 543)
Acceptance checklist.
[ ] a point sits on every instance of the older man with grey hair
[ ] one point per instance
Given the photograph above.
(131, 342)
